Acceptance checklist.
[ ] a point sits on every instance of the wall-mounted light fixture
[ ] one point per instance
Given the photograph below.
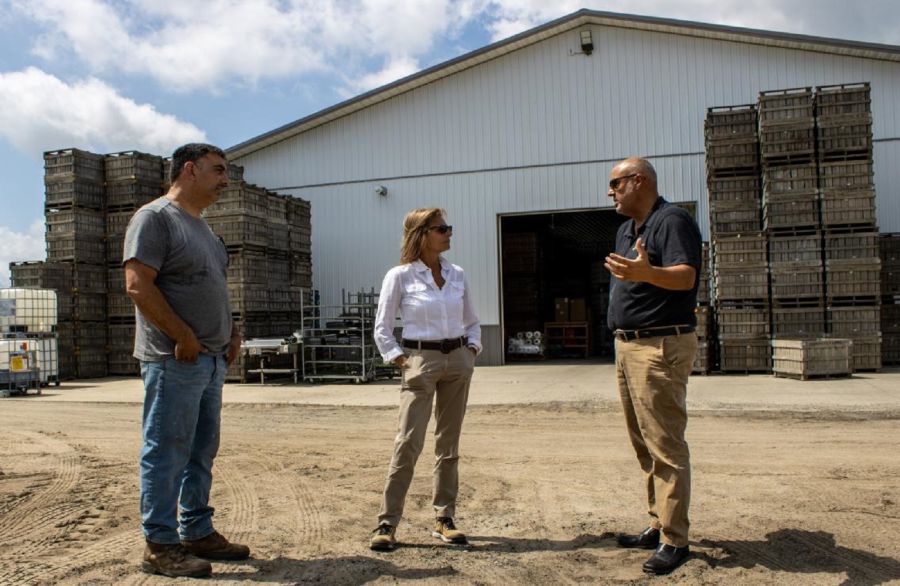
(381, 190)
(587, 42)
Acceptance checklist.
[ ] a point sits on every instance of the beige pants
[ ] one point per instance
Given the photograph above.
(429, 374)
(652, 375)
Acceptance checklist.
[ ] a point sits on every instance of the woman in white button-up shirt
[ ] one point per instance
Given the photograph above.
(436, 354)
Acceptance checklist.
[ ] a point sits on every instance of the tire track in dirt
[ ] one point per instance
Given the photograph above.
(54, 569)
(45, 553)
(307, 522)
(42, 508)
(238, 500)
(243, 518)
(75, 521)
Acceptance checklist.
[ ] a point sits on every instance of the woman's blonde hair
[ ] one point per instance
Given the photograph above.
(415, 229)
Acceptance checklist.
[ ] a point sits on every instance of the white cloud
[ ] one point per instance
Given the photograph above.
(189, 46)
(19, 246)
(39, 112)
(394, 70)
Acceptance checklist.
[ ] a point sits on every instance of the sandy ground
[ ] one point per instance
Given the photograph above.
(794, 483)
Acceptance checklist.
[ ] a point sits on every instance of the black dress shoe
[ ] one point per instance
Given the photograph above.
(666, 558)
(649, 539)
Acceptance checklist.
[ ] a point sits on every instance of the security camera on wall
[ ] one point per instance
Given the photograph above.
(381, 190)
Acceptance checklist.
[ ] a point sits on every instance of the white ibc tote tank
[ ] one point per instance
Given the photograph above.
(28, 310)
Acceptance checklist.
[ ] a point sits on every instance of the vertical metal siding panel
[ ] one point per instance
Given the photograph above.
(887, 185)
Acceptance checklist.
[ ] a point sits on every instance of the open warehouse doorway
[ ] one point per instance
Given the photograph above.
(554, 287)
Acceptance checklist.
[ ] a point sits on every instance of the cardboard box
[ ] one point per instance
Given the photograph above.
(561, 309)
(577, 310)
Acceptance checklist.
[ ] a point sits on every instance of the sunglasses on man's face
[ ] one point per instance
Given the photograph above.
(442, 229)
(614, 183)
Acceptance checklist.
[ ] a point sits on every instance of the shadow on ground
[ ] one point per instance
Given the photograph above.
(803, 552)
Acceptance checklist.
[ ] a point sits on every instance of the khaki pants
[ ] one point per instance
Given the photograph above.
(429, 374)
(652, 376)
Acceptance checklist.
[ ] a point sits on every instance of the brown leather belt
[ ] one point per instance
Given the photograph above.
(628, 335)
(445, 346)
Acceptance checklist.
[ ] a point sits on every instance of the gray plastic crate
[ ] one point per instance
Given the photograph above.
(806, 359)
(133, 165)
(794, 322)
(74, 191)
(68, 163)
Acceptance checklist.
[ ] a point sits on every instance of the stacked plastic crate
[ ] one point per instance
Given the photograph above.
(741, 280)
(76, 225)
(850, 243)
(239, 217)
(791, 212)
(702, 360)
(890, 301)
(132, 180)
(300, 259)
(268, 240)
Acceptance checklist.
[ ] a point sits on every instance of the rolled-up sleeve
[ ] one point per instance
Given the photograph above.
(470, 320)
(388, 305)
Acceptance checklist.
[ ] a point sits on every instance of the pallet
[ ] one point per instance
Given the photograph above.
(798, 302)
(789, 159)
(853, 300)
(804, 377)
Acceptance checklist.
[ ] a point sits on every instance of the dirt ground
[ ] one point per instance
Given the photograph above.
(780, 497)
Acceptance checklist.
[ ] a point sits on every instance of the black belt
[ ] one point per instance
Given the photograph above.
(652, 332)
(445, 346)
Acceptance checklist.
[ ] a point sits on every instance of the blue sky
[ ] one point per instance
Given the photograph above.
(149, 75)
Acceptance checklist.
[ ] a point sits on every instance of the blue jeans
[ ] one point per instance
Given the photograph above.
(182, 407)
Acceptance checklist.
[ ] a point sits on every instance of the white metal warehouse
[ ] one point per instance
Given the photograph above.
(532, 125)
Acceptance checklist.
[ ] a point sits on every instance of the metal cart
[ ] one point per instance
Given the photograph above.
(268, 349)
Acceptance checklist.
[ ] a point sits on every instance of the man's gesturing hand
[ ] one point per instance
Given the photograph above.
(625, 269)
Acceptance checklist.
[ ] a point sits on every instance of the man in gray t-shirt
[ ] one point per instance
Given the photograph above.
(176, 274)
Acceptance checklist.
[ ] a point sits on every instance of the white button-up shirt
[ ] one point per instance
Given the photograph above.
(428, 312)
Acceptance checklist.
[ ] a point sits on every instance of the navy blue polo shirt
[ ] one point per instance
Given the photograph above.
(671, 237)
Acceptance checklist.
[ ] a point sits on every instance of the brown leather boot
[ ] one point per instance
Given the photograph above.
(171, 559)
(215, 547)
(446, 531)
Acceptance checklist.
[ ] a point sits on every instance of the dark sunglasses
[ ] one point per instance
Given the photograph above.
(442, 229)
(614, 183)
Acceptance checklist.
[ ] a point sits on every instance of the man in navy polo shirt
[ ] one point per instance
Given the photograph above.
(651, 312)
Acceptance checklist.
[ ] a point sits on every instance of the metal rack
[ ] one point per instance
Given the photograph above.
(338, 343)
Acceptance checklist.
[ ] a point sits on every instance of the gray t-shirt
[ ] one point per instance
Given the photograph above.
(192, 266)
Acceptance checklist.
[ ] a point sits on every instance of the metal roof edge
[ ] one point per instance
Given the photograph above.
(553, 28)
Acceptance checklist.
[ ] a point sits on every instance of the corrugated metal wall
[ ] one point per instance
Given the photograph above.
(538, 130)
